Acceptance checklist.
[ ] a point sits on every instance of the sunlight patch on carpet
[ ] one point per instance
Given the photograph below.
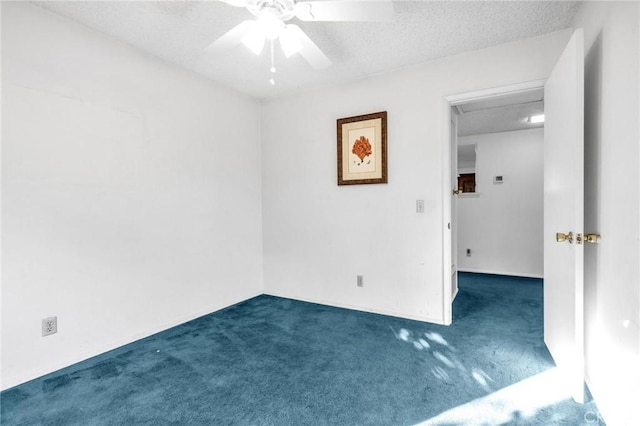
(519, 401)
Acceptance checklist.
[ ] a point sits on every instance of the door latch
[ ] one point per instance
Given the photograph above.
(589, 238)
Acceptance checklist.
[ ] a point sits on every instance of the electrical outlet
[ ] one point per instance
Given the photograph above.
(360, 281)
(468, 252)
(419, 206)
(49, 326)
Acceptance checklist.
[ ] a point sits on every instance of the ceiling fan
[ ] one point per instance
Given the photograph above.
(272, 15)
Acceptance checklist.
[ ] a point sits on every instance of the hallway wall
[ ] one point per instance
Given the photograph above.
(502, 224)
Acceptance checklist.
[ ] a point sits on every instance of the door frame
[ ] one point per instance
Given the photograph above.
(448, 222)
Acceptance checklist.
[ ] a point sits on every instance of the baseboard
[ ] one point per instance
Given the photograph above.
(490, 272)
(360, 308)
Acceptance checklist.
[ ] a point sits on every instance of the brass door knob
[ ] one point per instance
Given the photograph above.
(562, 237)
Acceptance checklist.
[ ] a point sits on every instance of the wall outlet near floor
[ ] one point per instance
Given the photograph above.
(360, 281)
(49, 326)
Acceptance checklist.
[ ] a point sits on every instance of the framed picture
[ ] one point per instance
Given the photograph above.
(362, 149)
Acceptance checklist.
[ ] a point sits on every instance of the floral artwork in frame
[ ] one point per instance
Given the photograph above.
(362, 149)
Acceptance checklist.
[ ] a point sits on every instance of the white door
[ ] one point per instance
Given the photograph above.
(564, 213)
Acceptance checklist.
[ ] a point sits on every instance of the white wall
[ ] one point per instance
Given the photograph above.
(503, 224)
(612, 198)
(318, 236)
(130, 191)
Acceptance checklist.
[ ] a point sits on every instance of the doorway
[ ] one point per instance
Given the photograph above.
(482, 103)
(500, 185)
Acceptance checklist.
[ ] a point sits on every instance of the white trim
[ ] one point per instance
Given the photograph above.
(348, 306)
(446, 186)
(479, 95)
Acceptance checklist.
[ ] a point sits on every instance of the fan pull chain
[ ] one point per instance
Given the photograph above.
(272, 81)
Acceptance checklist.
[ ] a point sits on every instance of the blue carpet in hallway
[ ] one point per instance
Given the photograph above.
(273, 361)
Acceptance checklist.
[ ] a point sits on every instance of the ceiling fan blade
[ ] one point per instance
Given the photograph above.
(233, 37)
(345, 10)
(308, 49)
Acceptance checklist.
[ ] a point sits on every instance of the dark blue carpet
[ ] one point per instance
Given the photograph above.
(273, 361)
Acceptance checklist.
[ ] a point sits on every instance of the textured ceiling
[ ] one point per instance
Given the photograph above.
(179, 31)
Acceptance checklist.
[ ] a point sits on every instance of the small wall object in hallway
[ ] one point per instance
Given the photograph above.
(362, 149)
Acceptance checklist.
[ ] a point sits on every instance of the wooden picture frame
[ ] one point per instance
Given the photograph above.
(362, 149)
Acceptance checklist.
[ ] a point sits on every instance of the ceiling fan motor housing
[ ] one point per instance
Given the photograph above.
(283, 10)
(270, 23)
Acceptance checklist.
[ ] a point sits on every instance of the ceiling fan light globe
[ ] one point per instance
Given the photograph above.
(254, 40)
(289, 42)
